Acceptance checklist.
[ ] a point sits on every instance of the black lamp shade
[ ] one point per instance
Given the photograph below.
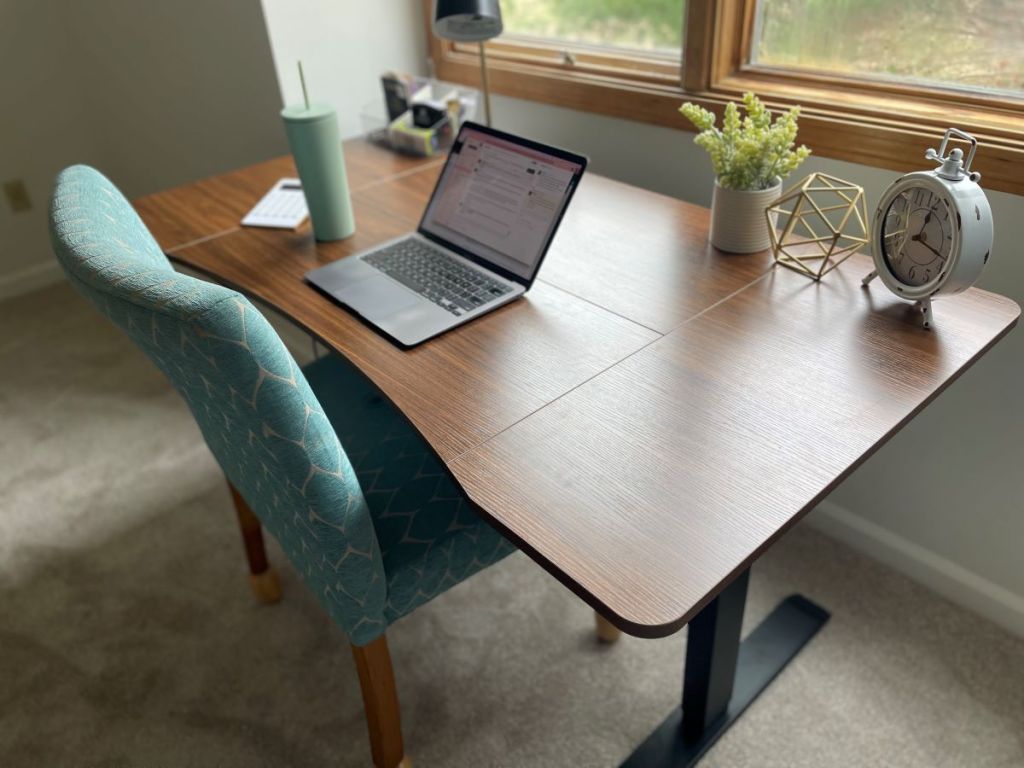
(467, 21)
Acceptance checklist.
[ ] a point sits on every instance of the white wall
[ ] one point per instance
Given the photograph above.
(345, 46)
(42, 100)
(152, 93)
(176, 90)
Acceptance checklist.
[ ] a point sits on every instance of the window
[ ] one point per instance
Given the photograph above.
(879, 81)
(947, 43)
(653, 26)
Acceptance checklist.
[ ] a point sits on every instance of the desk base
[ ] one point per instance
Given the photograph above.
(761, 657)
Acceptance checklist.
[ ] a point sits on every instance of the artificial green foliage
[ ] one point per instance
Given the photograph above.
(752, 152)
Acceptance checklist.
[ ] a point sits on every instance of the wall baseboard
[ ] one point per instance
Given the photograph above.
(30, 278)
(952, 581)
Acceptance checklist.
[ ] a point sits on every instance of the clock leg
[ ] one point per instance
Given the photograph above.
(926, 311)
(870, 277)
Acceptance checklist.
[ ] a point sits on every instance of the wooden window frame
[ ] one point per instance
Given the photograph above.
(874, 122)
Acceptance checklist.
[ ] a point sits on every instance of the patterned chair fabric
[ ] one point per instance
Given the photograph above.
(429, 536)
(368, 563)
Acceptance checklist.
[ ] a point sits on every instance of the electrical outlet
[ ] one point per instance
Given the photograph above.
(17, 195)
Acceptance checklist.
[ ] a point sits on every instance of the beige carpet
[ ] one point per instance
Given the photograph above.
(128, 636)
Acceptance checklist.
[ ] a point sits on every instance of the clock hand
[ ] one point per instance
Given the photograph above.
(937, 253)
(927, 218)
(926, 244)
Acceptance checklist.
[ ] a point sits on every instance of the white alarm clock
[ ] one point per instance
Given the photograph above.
(932, 231)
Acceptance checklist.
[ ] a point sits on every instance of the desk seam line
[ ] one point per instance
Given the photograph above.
(617, 363)
(203, 239)
(239, 228)
(593, 303)
(396, 176)
(708, 308)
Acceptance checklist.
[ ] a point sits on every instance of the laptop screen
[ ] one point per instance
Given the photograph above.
(501, 200)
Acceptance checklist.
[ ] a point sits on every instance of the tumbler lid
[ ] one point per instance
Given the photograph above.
(302, 113)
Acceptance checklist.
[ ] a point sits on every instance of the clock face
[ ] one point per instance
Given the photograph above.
(917, 236)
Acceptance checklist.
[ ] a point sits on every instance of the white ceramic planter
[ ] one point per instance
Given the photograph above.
(737, 218)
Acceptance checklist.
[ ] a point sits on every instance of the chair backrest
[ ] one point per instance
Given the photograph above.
(257, 413)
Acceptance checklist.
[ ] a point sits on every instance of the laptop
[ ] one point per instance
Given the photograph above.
(492, 215)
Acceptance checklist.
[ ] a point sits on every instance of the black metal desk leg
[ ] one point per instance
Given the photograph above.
(723, 676)
(712, 648)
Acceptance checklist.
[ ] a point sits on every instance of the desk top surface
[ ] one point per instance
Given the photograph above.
(654, 414)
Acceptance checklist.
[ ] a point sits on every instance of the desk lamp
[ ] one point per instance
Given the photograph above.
(470, 21)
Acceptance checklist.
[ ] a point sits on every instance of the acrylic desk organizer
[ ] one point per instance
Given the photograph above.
(407, 139)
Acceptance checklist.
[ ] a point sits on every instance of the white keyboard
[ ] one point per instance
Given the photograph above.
(284, 207)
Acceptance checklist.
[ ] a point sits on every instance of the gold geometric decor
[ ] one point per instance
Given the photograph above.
(817, 224)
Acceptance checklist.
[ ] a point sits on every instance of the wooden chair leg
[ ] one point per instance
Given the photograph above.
(380, 700)
(262, 577)
(606, 631)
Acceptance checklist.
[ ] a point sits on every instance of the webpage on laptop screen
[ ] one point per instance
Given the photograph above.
(500, 200)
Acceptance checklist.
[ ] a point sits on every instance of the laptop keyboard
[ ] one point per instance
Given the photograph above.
(435, 275)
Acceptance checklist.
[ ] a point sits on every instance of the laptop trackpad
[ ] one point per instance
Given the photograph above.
(377, 296)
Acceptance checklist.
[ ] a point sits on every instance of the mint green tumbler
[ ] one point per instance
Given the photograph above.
(316, 146)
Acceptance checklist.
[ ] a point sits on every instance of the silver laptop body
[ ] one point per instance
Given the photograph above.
(483, 236)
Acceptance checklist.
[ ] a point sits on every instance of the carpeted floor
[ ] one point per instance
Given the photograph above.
(128, 636)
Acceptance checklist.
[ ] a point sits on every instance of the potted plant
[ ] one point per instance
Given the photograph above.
(751, 157)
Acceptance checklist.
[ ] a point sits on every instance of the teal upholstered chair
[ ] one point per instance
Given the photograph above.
(364, 510)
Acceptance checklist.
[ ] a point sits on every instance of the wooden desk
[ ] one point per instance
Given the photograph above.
(648, 421)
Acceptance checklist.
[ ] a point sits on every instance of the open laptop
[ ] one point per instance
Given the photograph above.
(483, 236)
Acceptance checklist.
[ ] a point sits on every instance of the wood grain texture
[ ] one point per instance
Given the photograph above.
(649, 487)
(216, 205)
(643, 255)
(380, 702)
(642, 470)
(252, 533)
(262, 578)
(461, 388)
